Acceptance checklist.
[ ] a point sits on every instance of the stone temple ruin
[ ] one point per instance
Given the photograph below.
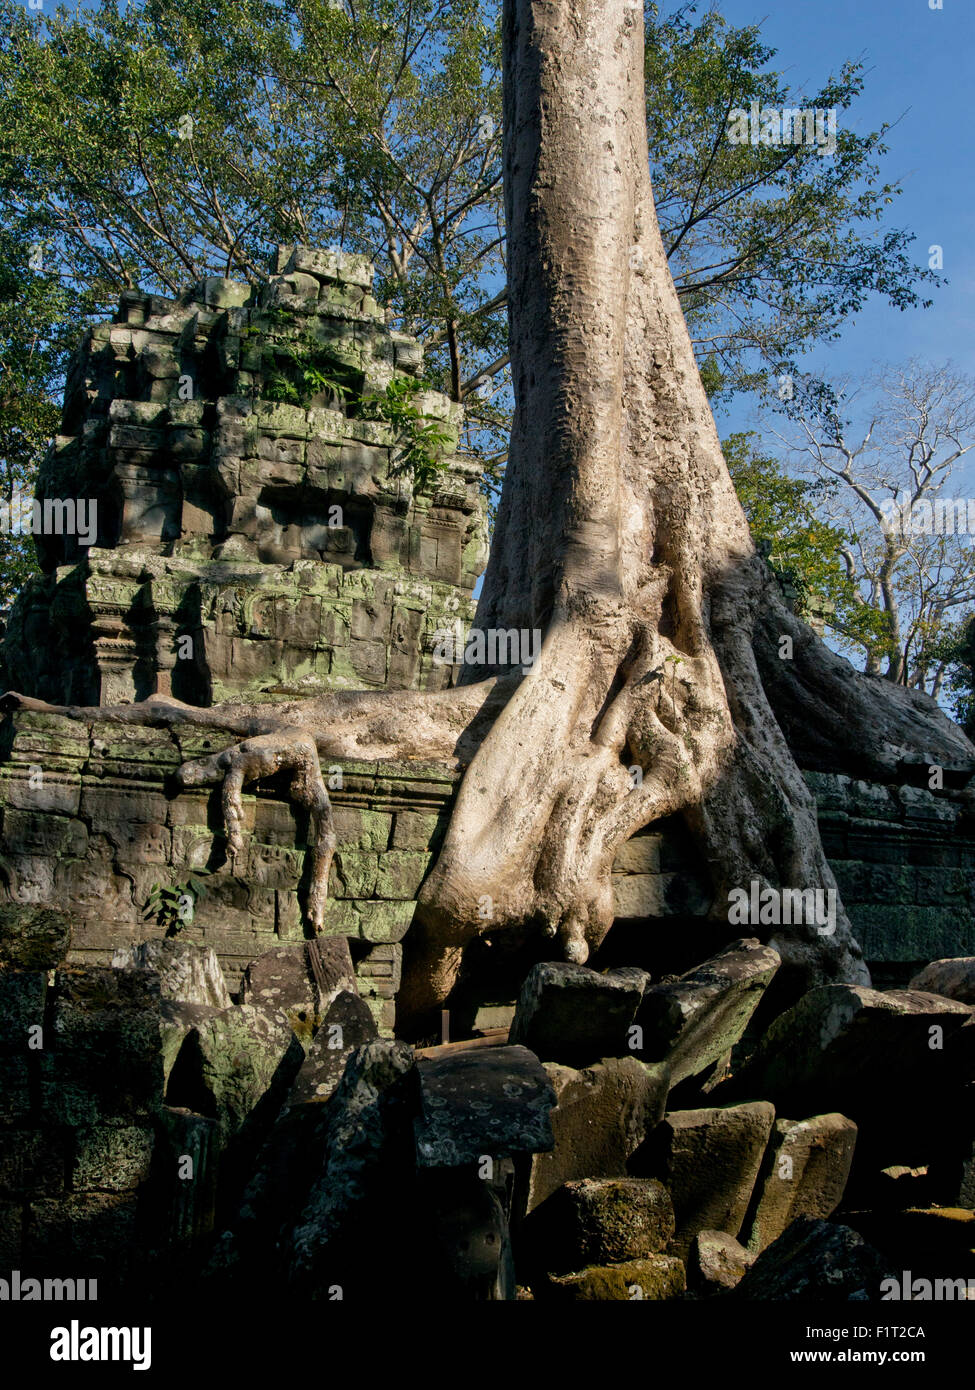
(259, 536)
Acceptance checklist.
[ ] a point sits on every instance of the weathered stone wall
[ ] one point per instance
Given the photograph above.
(90, 819)
(91, 822)
(904, 861)
(246, 547)
(88, 1152)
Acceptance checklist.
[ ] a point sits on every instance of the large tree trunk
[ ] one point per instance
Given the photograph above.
(620, 537)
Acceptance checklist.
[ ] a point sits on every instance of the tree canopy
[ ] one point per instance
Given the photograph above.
(156, 143)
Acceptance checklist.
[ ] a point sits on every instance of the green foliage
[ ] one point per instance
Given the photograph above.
(772, 247)
(423, 440)
(804, 551)
(954, 649)
(35, 336)
(155, 142)
(173, 906)
(295, 373)
(161, 141)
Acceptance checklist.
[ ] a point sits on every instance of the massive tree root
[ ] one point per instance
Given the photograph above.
(662, 686)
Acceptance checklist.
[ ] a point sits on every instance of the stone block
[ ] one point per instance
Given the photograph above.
(709, 1160)
(237, 1059)
(385, 921)
(22, 998)
(32, 1161)
(111, 1159)
(570, 1014)
(804, 1173)
(33, 937)
(187, 973)
(102, 1056)
(347, 1024)
(87, 1233)
(400, 873)
(815, 1261)
(491, 1101)
(695, 1021)
(15, 1090)
(655, 1278)
(858, 1051)
(953, 978)
(301, 981)
(602, 1116)
(600, 1221)
(414, 830)
(717, 1262)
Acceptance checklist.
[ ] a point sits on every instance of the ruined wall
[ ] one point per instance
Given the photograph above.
(90, 820)
(91, 823)
(258, 534)
(258, 531)
(904, 861)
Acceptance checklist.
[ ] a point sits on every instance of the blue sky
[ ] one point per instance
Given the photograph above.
(921, 69)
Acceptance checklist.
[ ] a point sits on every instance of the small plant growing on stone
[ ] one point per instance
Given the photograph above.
(423, 436)
(296, 382)
(173, 906)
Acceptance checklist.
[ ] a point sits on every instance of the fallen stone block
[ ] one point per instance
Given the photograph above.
(804, 1173)
(817, 1262)
(602, 1115)
(654, 1279)
(234, 1062)
(290, 1162)
(468, 1257)
(856, 1051)
(709, 1160)
(368, 1178)
(717, 1262)
(599, 1221)
(301, 981)
(176, 1021)
(490, 1101)
(694, 1021)
(570, 1014)
(953, 978)
(187, 1170)
(188, 974)
(348, 1024)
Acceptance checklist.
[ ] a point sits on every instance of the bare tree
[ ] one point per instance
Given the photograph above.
(891, 451)
(670, 665)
